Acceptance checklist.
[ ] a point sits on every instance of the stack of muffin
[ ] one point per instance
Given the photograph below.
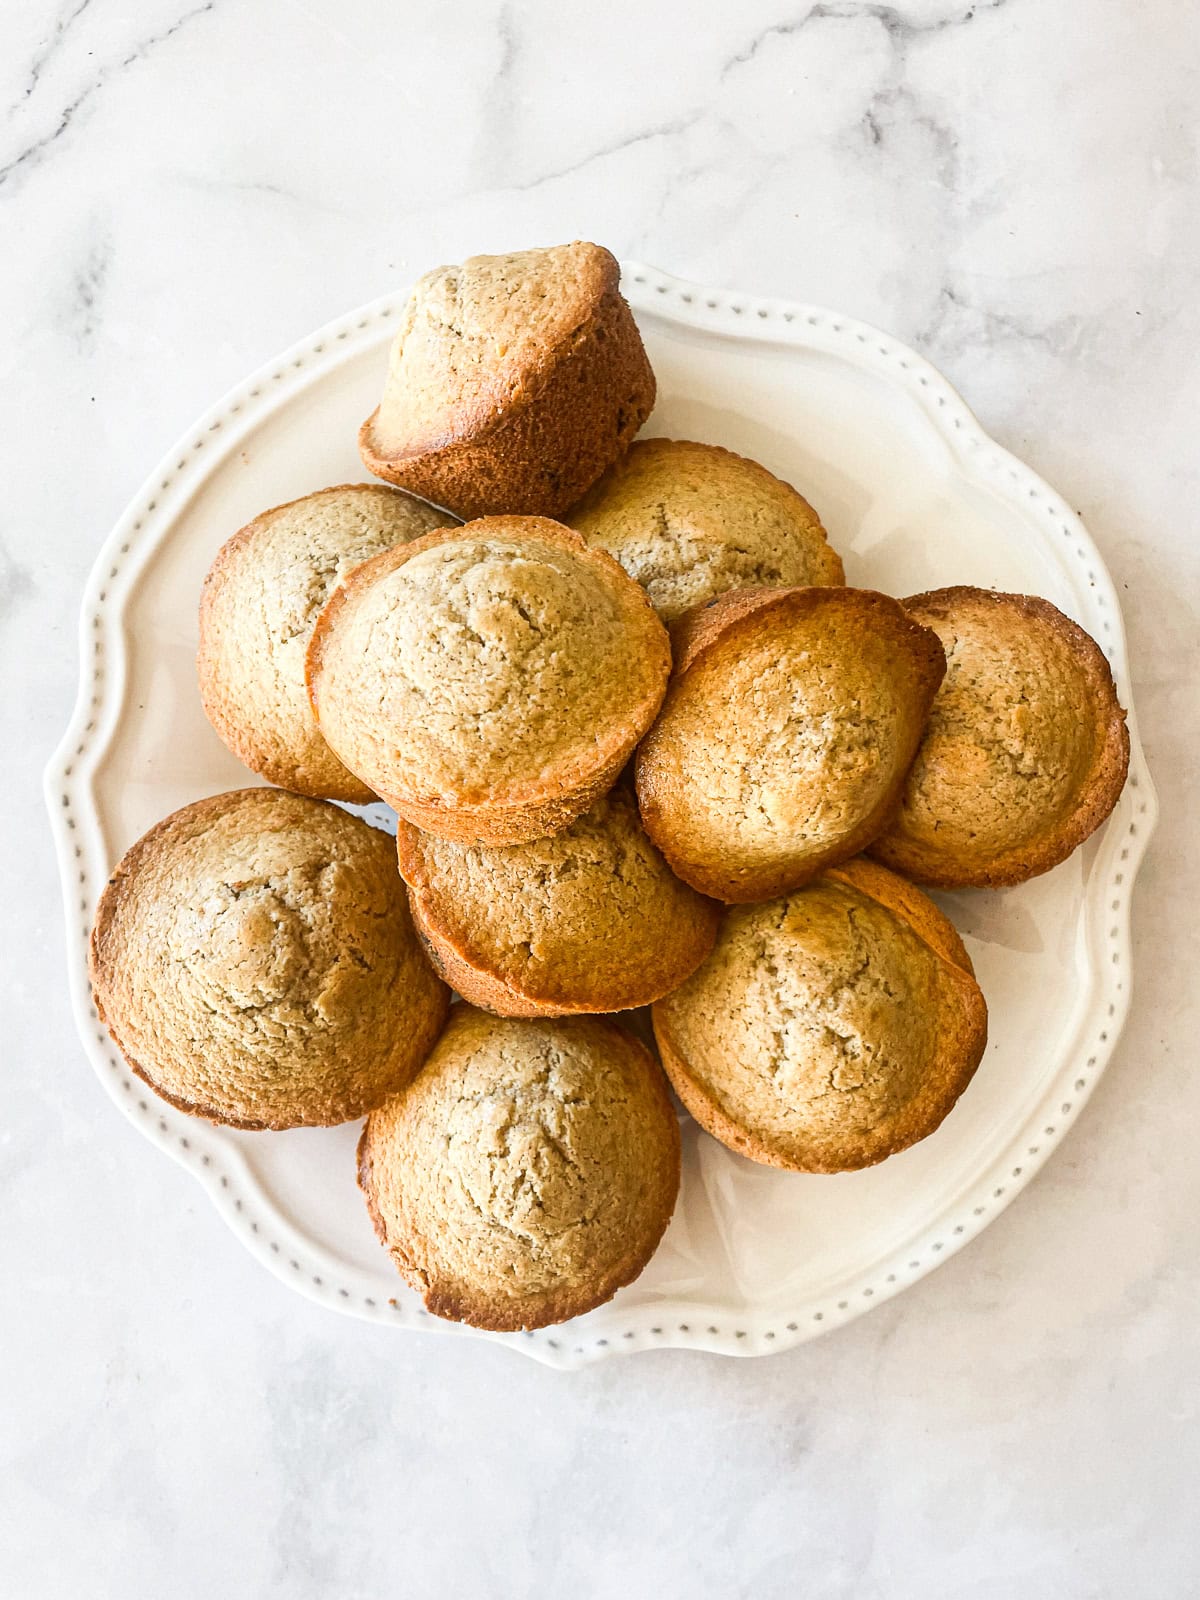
(652, 752)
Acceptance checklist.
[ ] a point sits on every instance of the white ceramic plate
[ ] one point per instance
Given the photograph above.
(915, 496)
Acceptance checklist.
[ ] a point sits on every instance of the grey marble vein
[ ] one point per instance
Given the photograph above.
(35, 152)
(892, 19)
(45, 55)
(675, 128)
(892, 104)
(85, 313)
(17, 584)
(1018, 193)
(495, 144)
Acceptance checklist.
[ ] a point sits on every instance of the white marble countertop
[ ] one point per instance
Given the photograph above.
(188, 185)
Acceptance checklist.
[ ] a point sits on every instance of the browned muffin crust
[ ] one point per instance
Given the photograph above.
(590, 920)
(253, 959)
(488, 681)
(527, 1173)
(830, 1028)
(514, 381)
(1026, 751)
(791, 719)
(691, 521)
(260, 599)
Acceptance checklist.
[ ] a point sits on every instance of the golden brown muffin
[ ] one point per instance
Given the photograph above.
(257, 609)
(513, 382)
(527, 1173)
(488, 681)
(253, 959)
(1026, 750)
(589, 920)
(829, 1028)
(791, 720)
(689, 521)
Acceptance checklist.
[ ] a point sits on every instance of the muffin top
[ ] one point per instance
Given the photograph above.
(257, 609)
(785, 735)
(1026, 750)
(829, 1028)
(474, 340)
(494, 664)
(527, 1173)
(689, 521)
(254, 959)
(589, 920)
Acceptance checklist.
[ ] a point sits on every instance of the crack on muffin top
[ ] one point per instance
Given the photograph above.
(260, 601)
(816, 1023)
(527, 1159)
(255, 956)
(690, 521)
(482, 662)
(784, 744)
(1009, 745)
(785, 735)
(268, 948)
(593, 911)
(472, 338)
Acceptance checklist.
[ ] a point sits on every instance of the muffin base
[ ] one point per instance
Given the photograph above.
(539, 457)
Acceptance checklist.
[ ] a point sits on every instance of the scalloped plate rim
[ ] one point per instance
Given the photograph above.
(219, 1167)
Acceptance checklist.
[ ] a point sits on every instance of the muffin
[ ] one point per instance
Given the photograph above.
(690, 521)
(527, 1173)
(1026, 750)
(488, 681)
(257, 610)
(514, 381)
(829, 1028)
(254, 960)
(589, 920)
(789, 725)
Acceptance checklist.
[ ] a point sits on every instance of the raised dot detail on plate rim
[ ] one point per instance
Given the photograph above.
(1079, 1084)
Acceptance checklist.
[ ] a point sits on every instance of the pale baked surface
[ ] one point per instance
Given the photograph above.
(690, 521)
(527, 1173)
(254, 960)
(589, 920)
(488, 681)
(790, 722)
(1026, 751)
(513, 381)
(257, 609)
(829, 1028)
(470, 335)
